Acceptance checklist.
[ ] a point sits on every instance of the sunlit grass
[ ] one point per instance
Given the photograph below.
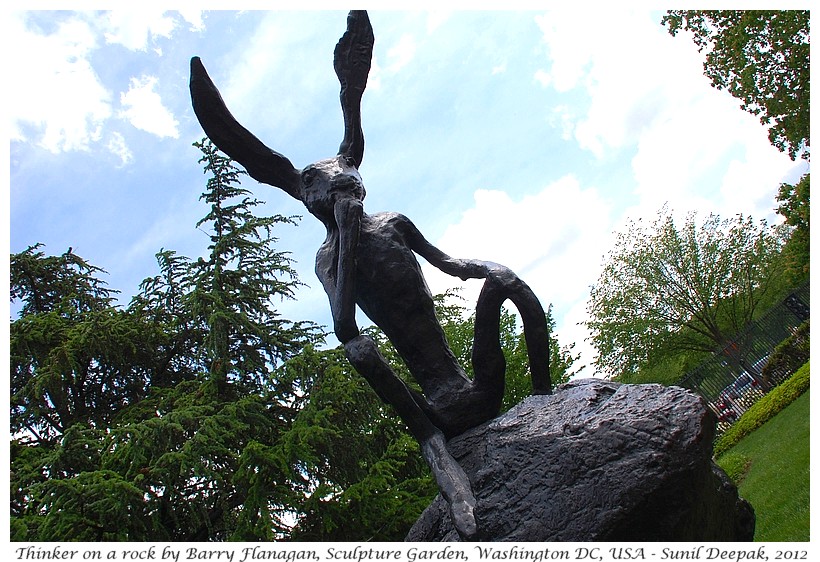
(772, 466)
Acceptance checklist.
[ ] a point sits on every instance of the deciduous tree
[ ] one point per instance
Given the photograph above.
(762, 58)
(795, 208)
(666, 288)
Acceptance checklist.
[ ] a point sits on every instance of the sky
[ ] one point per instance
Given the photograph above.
(524, 137)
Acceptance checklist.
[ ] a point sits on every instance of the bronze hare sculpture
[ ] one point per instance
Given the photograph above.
(369, 261)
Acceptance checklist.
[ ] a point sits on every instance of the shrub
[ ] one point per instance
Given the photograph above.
(765, 409)
(787, 357)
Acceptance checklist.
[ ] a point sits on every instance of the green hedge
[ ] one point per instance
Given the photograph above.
(764, 410)
(789, 356)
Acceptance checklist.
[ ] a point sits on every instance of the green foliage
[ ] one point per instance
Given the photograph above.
(358, 473)
(789, 355)
(518, 381)
(458, 328)
(764, 410)
(795, 208)
(777, 481)
(74, 357)
(666, 289)
(664, 369)
(234, 289)
(148, 423)
(194, 454)
(163, 303)
(93, 506)
(762, 58)
(64, 284)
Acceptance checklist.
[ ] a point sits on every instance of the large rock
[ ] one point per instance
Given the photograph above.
(596, 461)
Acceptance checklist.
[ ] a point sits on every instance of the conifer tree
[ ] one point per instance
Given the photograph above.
(158, 421)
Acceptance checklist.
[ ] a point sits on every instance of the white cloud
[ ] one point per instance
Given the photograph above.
(134, 28)
(117, 146)
(562, 118)
(543, 77)
(194, 18)
(572, 330)
(400, 54)
(58, 100)
(374, 78)
(751, 183)
(55, 89)
(436, 18)
(552, 240)
(637, 79)
(691, 145)
(145, 111)
(703, 152)
(570, 51)
(635, 74)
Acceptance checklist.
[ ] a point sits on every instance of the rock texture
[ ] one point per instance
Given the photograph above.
(596, 461)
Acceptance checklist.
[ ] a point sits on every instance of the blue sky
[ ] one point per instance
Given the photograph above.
(523, 137)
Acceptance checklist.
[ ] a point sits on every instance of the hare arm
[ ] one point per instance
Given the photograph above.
(462, 268)
(348, 215)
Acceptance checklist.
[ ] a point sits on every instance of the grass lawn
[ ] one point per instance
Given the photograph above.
(776, 479)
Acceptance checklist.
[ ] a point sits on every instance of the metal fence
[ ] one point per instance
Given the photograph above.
(730, 381)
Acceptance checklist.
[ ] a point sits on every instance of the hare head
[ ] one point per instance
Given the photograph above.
(318, 185)
(325, 182)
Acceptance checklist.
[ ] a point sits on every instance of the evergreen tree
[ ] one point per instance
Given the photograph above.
(157, 422)
(74, 356)
(362, 476)
(76, 361)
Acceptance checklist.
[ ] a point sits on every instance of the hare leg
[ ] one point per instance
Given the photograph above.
(536, 334)
(451, 479)
(489, 365)
(488, 359)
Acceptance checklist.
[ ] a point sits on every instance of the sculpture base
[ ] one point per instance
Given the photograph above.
(596, 461)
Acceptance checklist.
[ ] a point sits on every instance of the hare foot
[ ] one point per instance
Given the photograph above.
(454, 485)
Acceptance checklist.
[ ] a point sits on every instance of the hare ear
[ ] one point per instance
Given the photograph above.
(262, 163)
(351, 60)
